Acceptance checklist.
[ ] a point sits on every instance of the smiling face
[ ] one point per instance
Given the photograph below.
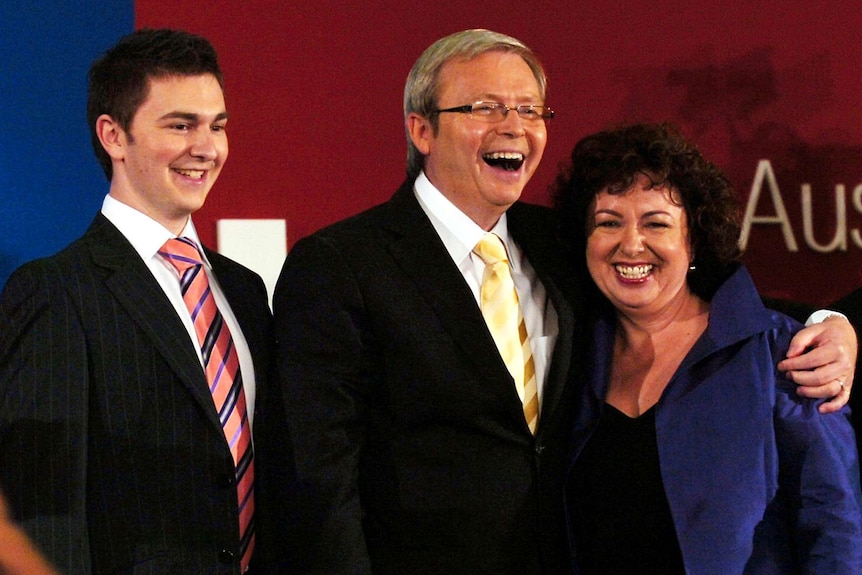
(174, 151)
(482, 167)
(638, 250)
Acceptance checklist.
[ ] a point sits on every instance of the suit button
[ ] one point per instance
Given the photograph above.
(540, 449)
(226, 479)
(225, 557)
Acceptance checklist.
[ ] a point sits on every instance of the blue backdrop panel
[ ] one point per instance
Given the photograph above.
(50, 182)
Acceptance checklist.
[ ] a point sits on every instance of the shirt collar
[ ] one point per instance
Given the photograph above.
(145, 234)
(458, 232)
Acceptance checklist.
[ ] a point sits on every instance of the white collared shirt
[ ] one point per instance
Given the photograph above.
(460, 235)
(147, 236)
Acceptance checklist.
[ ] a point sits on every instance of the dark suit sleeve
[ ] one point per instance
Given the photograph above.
(796, 310)
(851, 306)
(323, 370)
(43, 414)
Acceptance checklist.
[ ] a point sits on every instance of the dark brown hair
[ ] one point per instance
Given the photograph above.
(613, 159)
(119, 80)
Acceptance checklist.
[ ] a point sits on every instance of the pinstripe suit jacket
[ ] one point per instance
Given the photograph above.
(111, 453)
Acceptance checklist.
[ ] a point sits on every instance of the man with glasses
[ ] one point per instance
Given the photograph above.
(427, 427)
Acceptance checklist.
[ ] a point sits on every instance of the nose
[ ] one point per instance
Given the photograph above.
(631, 242)
(512, 123)
(203, 145)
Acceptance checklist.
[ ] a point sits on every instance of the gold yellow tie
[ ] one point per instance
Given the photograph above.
(502, 313)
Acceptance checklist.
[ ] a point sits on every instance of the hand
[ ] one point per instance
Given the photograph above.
(821, 360)
(18, 555)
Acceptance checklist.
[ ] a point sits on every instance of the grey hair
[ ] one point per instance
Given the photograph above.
(423, 82)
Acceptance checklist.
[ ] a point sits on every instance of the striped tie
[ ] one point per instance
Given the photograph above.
(502, 313)
(223, 375)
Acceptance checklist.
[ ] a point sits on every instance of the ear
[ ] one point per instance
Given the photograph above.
(421, 132)
(112, 137)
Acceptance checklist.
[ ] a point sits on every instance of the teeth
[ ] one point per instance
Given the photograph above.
(634, 272)
(196, 174)
(505, 156)
(509, 161)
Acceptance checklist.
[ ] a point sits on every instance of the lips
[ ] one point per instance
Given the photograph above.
(509, 161)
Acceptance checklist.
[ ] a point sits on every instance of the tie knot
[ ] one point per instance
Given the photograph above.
(182, 253)
(491, 249)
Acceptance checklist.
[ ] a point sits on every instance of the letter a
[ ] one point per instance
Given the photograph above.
(764, 172)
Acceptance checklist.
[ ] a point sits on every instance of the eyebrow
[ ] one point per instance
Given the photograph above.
(645, 215)
(502, 99)
(190, 116)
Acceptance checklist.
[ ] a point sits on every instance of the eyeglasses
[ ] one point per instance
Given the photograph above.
(496, 112)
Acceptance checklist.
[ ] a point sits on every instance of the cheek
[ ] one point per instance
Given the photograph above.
(683, 249)
(594, 256)
(539, 139)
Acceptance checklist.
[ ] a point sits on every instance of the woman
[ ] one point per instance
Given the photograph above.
(692, 453)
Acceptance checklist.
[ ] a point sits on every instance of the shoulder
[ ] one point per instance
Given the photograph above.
(535, 228)
(531, 217)
(39, 297)
(736, 311)
(796, 310)
(367, 234)
(52, 271)
(399, 214)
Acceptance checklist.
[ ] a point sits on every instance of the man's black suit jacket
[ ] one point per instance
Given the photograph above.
(411, 453)
(851, 306)
(111, 452)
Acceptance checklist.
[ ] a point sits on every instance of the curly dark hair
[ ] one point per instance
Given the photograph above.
(119, 79)
(612, 160)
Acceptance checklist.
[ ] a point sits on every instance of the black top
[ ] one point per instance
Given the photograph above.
(618, 507)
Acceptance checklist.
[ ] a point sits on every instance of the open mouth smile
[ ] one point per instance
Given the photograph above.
(509, 161)
(194, 174)
(638, 272)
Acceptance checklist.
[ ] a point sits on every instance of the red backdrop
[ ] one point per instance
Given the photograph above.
(314, 92)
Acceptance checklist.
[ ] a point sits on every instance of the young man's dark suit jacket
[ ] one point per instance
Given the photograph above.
(411, 450)
(111, 452)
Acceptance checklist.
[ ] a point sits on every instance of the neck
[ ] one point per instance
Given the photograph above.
(691, 311)
(648, 351)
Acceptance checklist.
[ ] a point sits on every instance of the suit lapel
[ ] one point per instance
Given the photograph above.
(138, 292)
(534, 231)
(420, 253)
(236, 290)
(249, 307)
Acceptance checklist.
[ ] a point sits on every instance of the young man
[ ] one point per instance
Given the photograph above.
(126, 413)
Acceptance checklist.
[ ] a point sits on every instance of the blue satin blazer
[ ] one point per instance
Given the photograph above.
(757, 480)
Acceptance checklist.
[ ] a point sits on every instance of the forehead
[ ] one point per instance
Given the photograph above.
(495, 73)
(200, 94)
(640, 195)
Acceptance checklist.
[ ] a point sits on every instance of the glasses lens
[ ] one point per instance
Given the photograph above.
(497, 112)
(534, 113)
(489, 111)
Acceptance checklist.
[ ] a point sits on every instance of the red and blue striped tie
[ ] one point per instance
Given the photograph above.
(223, 374)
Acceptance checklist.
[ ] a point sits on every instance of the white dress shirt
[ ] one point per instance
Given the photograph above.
(460, 235)
(147, 236)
